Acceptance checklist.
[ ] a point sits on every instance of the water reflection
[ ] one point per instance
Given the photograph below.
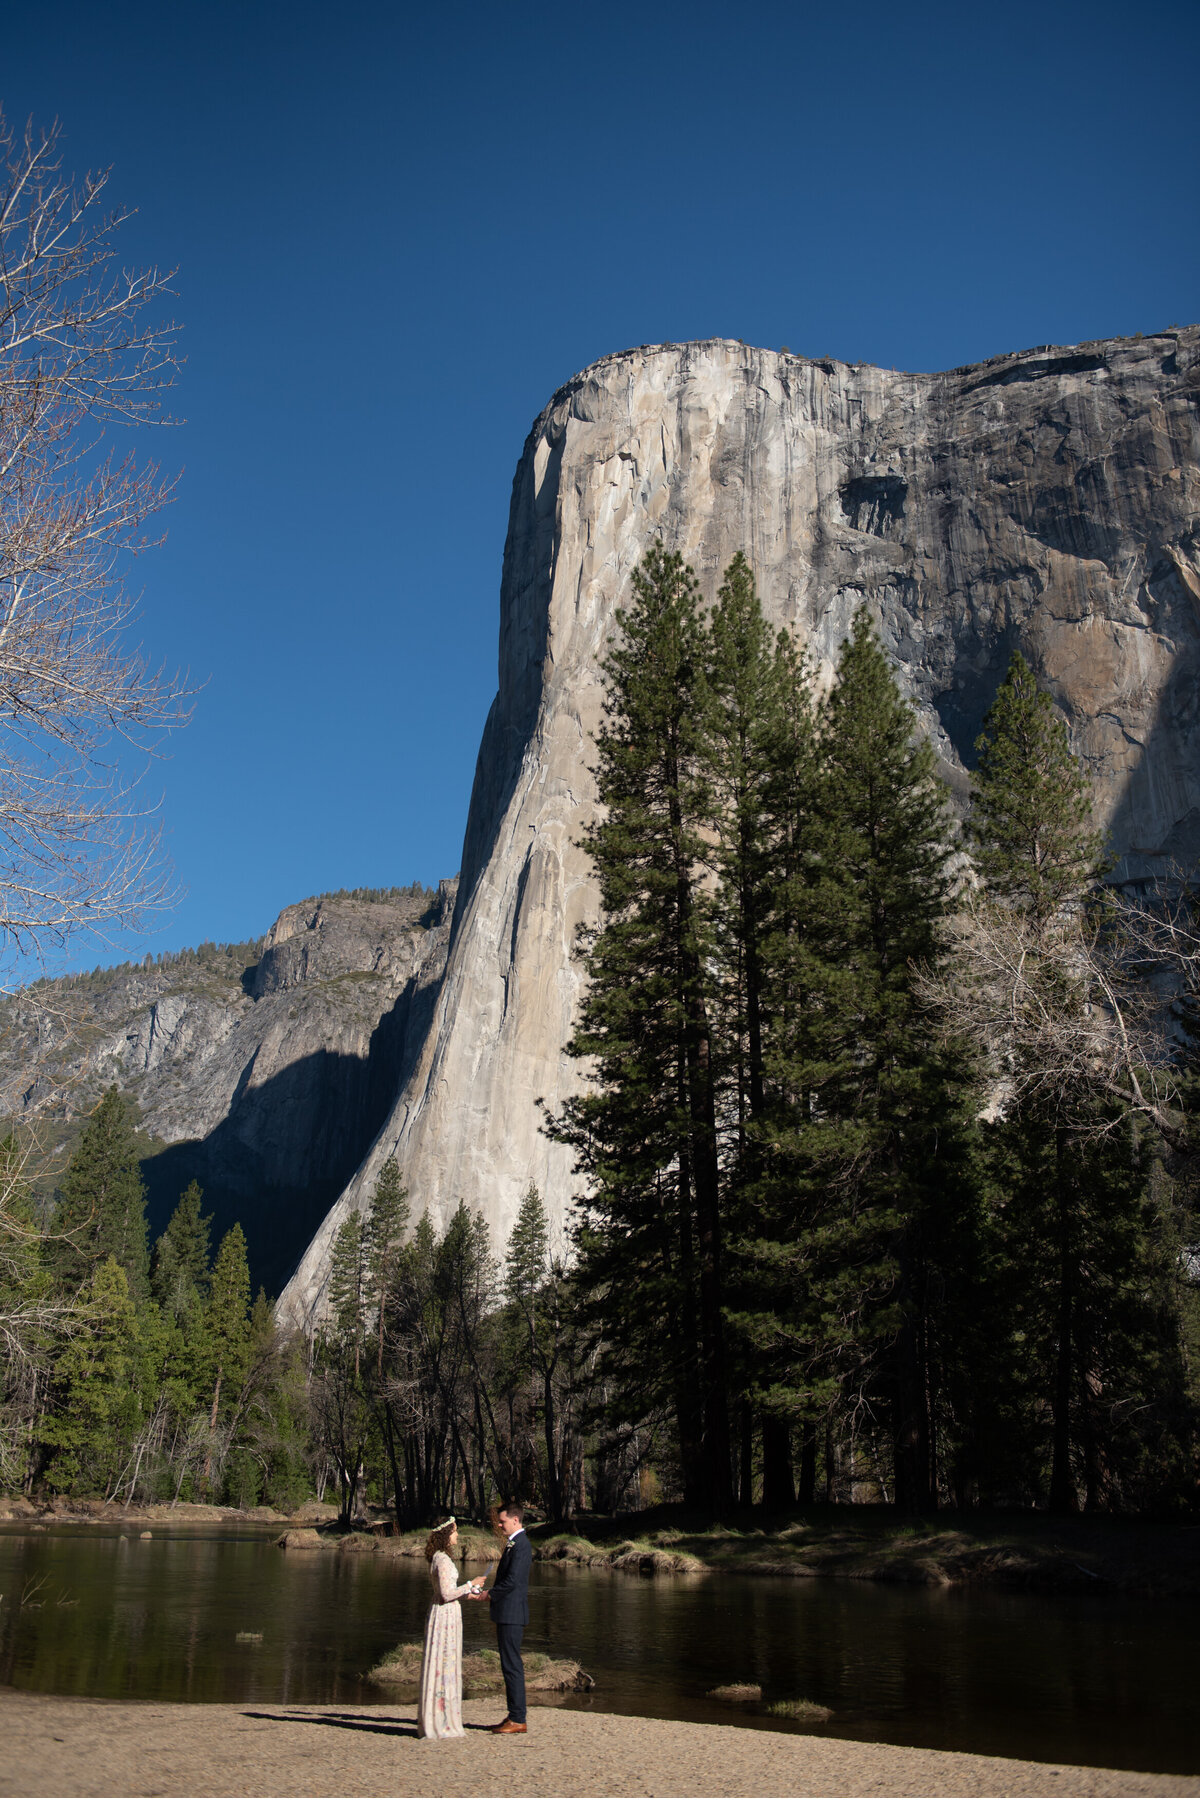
(1102, 1681)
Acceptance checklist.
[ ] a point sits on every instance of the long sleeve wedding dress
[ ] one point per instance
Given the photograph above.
(440, 1712)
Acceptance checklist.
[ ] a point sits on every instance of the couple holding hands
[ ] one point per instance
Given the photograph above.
(440, 1711)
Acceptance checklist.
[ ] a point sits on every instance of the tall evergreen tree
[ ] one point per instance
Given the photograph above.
(95, 1397)
(349, 1285)
(757, 746)
(527, 1256)
(102, 1201)
(877, 1133)
(543, 1346)
(227, 1319)
(179, 1272)
(387, 1226)
(525, 1278)
(742, 704)
(646, 1135)
(1074, 1222)
(1033, 838)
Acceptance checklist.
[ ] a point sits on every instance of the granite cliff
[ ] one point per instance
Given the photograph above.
(1047, 500)
(261, 1069)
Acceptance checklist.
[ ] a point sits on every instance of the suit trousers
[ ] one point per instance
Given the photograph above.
(508, 1641)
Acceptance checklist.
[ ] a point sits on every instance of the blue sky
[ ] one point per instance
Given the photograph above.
(398, 230)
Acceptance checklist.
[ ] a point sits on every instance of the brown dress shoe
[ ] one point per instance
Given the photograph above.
(509, 1728)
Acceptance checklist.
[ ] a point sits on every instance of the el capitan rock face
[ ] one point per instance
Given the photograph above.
(1047, 501)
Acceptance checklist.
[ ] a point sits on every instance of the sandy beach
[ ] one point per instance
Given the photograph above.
(74, 1748)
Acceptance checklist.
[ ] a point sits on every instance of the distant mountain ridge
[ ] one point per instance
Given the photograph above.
(261, 1069)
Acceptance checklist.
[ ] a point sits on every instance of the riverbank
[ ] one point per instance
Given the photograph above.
(1023, 1551)
(107, 1511)
(76, 1748)
(1014, 1551)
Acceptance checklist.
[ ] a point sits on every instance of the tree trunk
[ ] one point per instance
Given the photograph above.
(718, 1446)
(212, 1424)
(465, 1462)
(910, 1425)
(390, 1449)
(687, 1393)
(779, 1494)
(808, 1465)
(716, 1471)
(31, 1434)
(746, 1456)
(1063, 1499)
(553, 1483)
(910, 1421)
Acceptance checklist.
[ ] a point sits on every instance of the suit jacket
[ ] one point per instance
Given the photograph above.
(510, 1589)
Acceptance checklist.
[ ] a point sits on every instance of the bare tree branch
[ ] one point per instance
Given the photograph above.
(79, 846)
(1060, 1012)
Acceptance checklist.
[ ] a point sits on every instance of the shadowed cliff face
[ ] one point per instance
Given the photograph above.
(1048, 501)
(263, 1072)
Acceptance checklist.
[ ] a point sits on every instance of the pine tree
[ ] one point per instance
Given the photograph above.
(180, 1281)
(526, 1268)
(1031, 822)
(646, 1135)
(758, 751)
(102, 1201)
(349, 1286)
(742, 701)
(461, 1296)
(179, 1273)
(227, 1319)
(94, 1395)
(341, 1397)
(539, 1347)
(386, 1229)
(878, 1133)
(527, 1255)
(1074, 1173)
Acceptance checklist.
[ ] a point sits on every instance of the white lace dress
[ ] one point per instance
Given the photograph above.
(440, 1711)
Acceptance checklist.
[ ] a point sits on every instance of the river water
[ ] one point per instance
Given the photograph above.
(1097, 1680)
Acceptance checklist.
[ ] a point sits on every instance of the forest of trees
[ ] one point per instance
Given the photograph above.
(886, 1159)
(888, 1151)
(438, 1377)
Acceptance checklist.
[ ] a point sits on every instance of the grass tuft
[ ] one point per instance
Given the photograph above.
(799, 1710)
(481, 1671)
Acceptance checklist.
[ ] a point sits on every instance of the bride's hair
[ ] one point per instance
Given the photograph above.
(440, 1538)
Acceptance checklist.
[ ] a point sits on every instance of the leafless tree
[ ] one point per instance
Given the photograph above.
(1068, 1009)
(36, 1318)
(80, 363)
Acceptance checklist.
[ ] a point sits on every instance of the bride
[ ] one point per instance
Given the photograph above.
(440, 1713)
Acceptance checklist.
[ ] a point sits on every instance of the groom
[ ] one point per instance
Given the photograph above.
(510, 1613)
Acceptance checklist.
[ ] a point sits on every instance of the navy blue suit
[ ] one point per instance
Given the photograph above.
(509, 1598)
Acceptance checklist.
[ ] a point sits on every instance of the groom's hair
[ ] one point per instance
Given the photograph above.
(512, 1507)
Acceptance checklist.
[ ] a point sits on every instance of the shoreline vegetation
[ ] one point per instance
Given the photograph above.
(1013, 1551)
(874, 1228)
